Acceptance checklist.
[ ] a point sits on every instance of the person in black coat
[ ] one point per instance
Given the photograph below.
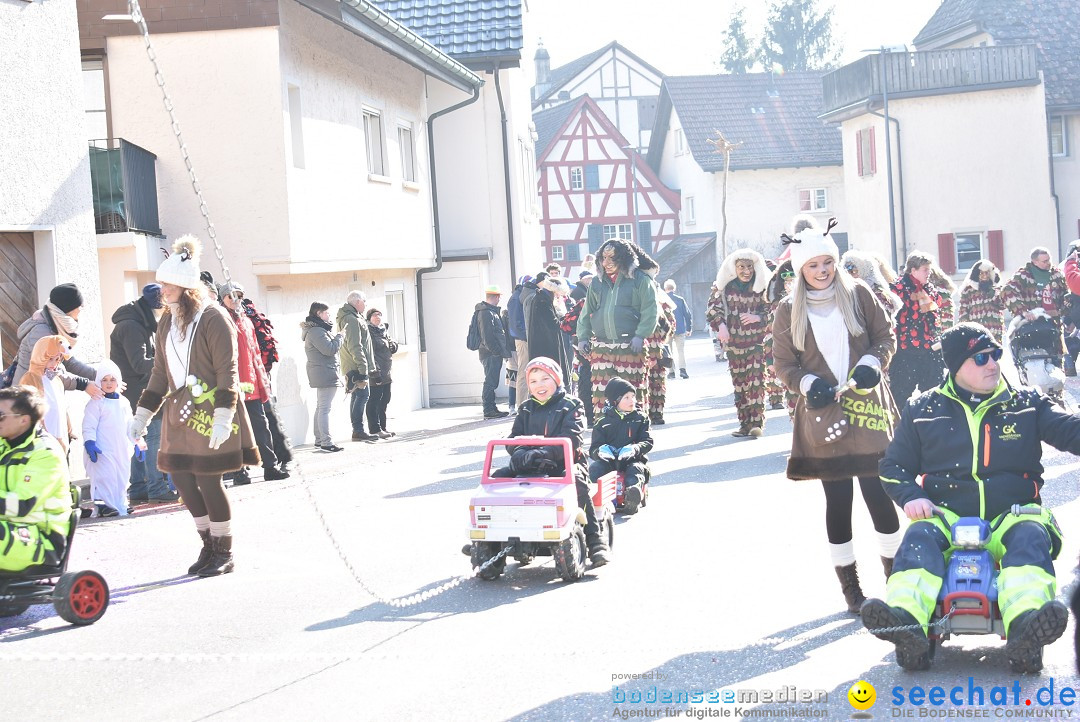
(550, 412)
(494, 347)
(621, 438)
(543, 323)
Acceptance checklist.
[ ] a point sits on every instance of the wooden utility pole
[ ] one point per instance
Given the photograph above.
(724, 146)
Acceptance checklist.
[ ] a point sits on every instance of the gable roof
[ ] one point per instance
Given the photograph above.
(549, 123)
(563, 74)
(463, 29)
(1053, 26)
(682, 250)
(775, 117)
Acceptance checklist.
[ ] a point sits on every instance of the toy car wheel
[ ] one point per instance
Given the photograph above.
(570, 555)
(13, 609)
(81, 597)
(481, 552)
(608, 529)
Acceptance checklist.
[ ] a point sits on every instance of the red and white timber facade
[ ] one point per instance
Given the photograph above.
(589, 180)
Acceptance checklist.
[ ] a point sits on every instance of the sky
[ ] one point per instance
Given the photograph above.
(683, 37)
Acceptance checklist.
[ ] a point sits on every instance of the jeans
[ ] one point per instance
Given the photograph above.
(260, 429)
(146, 480)
(492, 367)
(324, 398)
(357, 405)
(376, 407)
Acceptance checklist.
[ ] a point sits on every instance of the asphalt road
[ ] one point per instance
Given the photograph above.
(723, 583)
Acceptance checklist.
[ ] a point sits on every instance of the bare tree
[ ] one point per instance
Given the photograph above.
(723, 145)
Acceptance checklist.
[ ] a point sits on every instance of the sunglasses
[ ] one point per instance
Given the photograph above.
(983, 357)
(4, 415)
(787, 275)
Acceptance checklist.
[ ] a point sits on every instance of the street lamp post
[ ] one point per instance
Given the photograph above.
(882, 58)
(634, 231)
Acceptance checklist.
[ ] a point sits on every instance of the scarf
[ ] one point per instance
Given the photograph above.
(741, 286)
(316, 321)
(66, 326)
(821, 300)
(1041, 277)
(985, 286)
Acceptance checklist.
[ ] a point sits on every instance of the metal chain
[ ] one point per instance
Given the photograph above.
(903, 627)
(137, 17)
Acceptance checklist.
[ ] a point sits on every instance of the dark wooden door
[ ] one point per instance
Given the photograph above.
(18, 288)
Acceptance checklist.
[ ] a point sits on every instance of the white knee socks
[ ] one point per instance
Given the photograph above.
(842, 554)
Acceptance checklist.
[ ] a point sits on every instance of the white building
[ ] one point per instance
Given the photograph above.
(46, 217)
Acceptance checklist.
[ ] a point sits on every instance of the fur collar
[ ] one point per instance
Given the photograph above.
(727, 274)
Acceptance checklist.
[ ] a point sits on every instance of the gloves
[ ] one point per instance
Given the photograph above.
(606, 453)
(627, 452)
(92, 449)
(531, 460)
(140, 453)
(137, 427)
(865, 377)
(637, 344)
(222, 428)
(820, 395)
(583, 347)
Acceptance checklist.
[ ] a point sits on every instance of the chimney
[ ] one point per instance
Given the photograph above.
(543, 65)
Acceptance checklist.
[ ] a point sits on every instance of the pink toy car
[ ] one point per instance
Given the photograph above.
(536, 516)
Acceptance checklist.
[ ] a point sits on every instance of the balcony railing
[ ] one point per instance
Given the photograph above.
(928, 72)
(125, 187)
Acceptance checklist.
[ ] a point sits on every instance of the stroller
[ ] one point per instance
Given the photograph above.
(1036, 350)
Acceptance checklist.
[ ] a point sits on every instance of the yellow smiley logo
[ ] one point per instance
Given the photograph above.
(862, 695)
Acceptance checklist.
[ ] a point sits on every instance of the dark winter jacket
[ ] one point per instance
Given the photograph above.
(976, 462)
(561, 416)
(321, 346)
(75, 374)
(131, 346)
(684, 320)
(580, 292)
(618, 430)
(493, 340)
(616, 311)
(356, 356)
(545, 331)
(915, 328)
(516, 314)
(264, 334)
(384, 348)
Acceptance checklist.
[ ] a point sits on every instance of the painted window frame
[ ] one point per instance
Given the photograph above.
(379, 169)
(577, 179)
(394, 315)
(1062, 135)
(680, 141)
(810, 205)
(406, 137)
(963, 266)
(557, 253)
(690, 208)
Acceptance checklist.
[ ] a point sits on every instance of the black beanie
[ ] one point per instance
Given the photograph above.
(963, 341)
(616, 389)
(66, 297)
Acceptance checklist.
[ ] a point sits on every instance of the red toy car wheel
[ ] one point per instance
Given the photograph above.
(81, 597)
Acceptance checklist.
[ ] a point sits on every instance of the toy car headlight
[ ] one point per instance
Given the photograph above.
(968, 535)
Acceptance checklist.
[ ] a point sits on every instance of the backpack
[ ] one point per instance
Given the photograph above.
(472, 341)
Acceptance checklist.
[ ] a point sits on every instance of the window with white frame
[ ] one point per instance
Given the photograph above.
(969, 250)
(529, 189)
(813, 200)
(1058, 142)
(623, 231)
(408, 153)
(296, 126)
(394, 316)
(374, 142)
(576, 180)
(680, 141)
(556, 253)
(689, 211)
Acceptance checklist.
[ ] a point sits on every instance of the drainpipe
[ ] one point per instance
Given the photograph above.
(1053, 192)
(899, 179)
(506, 177)
(436, 234)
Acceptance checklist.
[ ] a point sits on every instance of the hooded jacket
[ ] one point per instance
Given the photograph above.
(384, 349)
(617, 430)
(321, 349)
(493, 340)
(356, 353)
(34, 488)
(75, 375)
(617, 310)
(562, 415)
(131, 346)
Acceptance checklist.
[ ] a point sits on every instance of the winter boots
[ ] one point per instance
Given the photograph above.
(633, 499)
(886, 563)
(598, 550)
(221, 558)
(1030, 632)
(204, 553)
(849, 583)
(898, 626)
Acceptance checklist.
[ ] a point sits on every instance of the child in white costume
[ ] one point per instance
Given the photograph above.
(105, 438)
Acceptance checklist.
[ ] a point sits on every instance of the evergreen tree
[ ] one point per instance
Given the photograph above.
(797, 37)
(739, 54)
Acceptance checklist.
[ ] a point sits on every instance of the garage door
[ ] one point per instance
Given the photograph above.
(18, 288)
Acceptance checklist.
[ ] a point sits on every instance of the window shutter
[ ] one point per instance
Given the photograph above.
(858, 149)
(996, 242)
(596, 237)
(573, 252)
(644, 235)
(873, 153)
(592, 177)
(946, 244)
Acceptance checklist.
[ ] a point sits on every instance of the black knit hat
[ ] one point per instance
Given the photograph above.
(66, 297)
(616, 389)
(963, 341)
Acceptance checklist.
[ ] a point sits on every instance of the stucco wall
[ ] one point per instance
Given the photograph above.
(45, 184)
(1067, 180)
(972, 162)
(679, 171)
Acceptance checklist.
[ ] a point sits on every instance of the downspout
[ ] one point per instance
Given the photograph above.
(506, 177)
(1053, 190)
(899, 180)
(434, 218)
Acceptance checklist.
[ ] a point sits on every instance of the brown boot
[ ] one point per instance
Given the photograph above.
(886, 562)
(221, 560)
(204, 554)
(849, 583)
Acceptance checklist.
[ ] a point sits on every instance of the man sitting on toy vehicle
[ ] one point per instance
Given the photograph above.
(550, 412)
(622, 435)
(981, 473)
(35, 499)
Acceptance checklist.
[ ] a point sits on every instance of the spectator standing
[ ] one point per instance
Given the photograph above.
(131, 348)
(515, 327)
(493, 348)
(684, 326)
(384, 349)
(58, 317)
(323, 369)
(543, 322)
(1038, 285)
(584, 383)
(264, 335)
(357, 360)
(918, 329)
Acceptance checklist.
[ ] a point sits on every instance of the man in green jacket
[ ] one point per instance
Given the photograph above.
(357, 360)
(35, 497)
